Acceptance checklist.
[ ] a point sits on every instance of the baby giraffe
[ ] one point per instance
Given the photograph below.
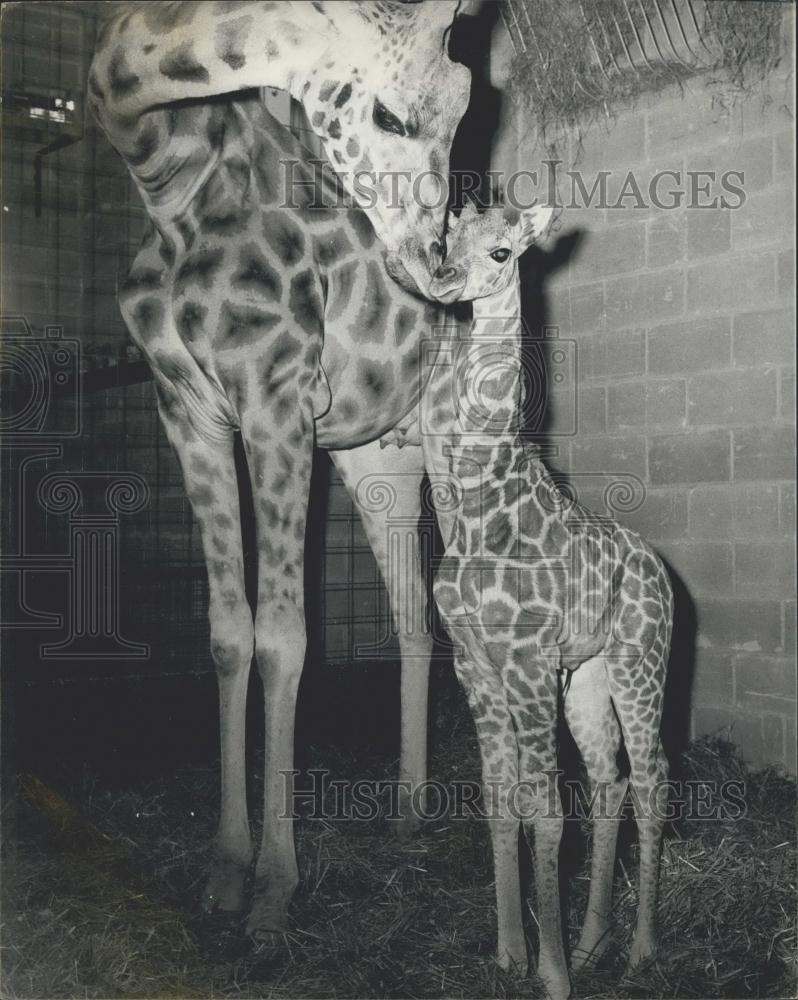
(540, 595)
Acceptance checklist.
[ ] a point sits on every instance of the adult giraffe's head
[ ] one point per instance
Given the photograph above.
(385, 100)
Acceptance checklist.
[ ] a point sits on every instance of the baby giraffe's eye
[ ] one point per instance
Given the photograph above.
(500, 255)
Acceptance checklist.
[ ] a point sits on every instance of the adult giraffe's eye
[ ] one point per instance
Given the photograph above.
(500, 255)
(386, 120)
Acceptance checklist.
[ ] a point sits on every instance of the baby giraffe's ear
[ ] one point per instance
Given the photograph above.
(533, 224)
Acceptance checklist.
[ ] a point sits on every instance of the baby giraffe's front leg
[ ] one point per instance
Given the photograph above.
(499, 779)
(532, 694)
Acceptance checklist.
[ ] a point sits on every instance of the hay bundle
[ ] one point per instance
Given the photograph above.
(577, 58)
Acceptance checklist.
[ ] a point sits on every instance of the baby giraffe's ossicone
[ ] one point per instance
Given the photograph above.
(534, 588)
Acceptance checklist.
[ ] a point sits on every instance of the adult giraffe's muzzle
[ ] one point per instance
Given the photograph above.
(414, 263)
(447, 283)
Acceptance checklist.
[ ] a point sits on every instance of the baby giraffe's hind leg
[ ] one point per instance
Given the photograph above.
(499, 756)
(640, 721)
(498, 750)
(594, 726)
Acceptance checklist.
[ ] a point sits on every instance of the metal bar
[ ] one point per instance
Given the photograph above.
(540, 54)
(637, 35)
(623, 42)
(678, 20)
(589, 30)
(510, 18)
(651, 31)
(609, 45)
(698, 31)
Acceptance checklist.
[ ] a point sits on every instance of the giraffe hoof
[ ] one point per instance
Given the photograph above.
(225, 887)
(585, 960)
(589, 951)
(268, 944)
(405, 828)
(639, 960)
(557, 986)
(267, 924)
(517, 965)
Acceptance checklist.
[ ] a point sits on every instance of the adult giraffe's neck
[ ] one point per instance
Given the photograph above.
(158, 54)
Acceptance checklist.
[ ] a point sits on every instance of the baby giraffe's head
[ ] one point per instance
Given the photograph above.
(483, 250)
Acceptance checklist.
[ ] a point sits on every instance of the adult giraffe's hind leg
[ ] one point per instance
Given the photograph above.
(384, 486)
(210, 479)
(279, 449)
(591, 719)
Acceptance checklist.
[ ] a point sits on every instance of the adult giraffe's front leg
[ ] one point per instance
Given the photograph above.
(210, 478)
(278, 441)
(384, 484)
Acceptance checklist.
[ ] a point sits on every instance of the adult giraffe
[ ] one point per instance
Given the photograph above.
(242, 282)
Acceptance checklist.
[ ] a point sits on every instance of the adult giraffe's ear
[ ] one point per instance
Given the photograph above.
(444, 16)
(468, 212)
(434, 17)
(533, 225)
(443, 11)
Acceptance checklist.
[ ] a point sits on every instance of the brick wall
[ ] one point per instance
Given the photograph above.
(684, 327)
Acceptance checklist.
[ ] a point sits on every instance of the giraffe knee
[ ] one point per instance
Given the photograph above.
(232, 639)
(280, 641)
(544, 829)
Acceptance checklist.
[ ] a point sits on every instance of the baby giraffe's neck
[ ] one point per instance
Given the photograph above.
(471, 416)
(472, 402)
(504, 305)
(492, 367)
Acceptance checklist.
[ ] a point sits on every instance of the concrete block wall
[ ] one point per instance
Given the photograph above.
(684, 326)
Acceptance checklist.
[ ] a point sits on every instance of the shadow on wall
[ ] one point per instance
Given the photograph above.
(472, 149)
(681, 668)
